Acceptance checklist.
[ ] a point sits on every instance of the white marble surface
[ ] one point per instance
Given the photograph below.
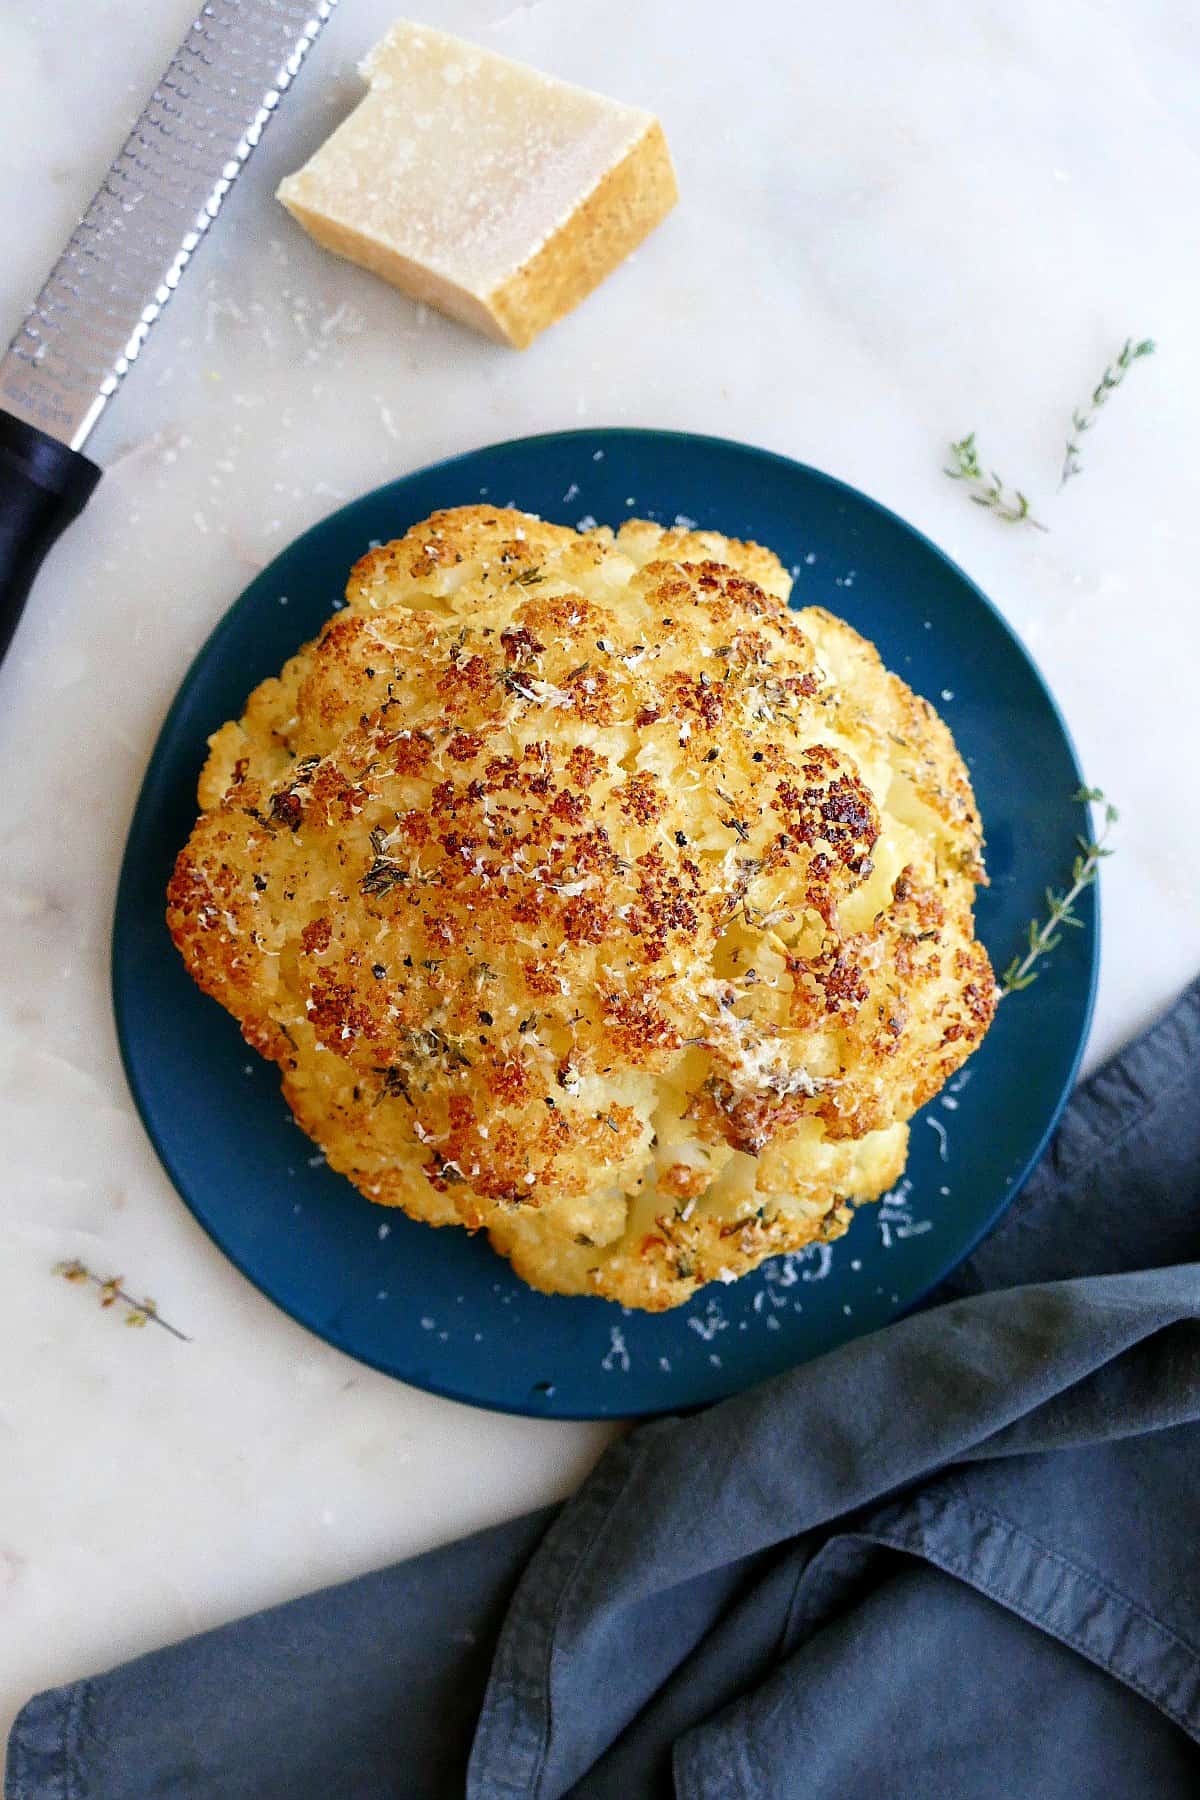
(898, 223)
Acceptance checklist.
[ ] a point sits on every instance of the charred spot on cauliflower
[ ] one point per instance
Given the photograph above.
(586, 894)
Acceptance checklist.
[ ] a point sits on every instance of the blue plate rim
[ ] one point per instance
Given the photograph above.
(446, 465)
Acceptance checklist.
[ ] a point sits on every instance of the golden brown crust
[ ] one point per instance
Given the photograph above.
(586, 894)
(621, 211)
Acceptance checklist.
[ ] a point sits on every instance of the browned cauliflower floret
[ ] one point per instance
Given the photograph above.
(584, 893)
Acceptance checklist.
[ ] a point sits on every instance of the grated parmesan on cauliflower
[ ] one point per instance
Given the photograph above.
(585, 894)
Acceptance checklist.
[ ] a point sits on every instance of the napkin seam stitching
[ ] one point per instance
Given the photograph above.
(531, 1735)
(77, 1783)
(1144, 1106)
(19, 1784)
(1053, 1178)
(803, 1575)
(964, 1568)
(951, 1501)
(585, 1553)
(1080, 1162)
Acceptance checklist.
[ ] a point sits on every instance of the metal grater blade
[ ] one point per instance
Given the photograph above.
(126, 255)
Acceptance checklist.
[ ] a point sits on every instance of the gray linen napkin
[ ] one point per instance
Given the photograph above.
(956, 1558)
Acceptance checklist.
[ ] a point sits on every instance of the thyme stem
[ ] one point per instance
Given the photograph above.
(1060, 907)
(141, 1312)
(988, 490)
(1084, 417)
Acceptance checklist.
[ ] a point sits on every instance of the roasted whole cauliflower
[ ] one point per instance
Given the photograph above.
(585, 894)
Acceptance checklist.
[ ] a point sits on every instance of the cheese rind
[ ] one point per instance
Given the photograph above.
(486, 189)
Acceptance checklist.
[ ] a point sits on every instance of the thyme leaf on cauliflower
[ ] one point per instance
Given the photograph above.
(385, 871)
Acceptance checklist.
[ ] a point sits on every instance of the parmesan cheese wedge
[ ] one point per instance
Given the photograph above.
(492, 192)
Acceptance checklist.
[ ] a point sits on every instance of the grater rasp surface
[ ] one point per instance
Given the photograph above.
(128, 252)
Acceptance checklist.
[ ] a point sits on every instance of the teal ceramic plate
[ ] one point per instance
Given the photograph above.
(437, 1308)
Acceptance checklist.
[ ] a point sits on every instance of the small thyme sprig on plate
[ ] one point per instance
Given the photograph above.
(141, 1312)
(1084, 417)
(989, 490)
(1060, 907)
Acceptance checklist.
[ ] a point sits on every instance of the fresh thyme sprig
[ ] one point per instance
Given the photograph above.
(1060, 907)
(141, 1312)
(1010, 504)
(1084, 417)
(989, 490)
